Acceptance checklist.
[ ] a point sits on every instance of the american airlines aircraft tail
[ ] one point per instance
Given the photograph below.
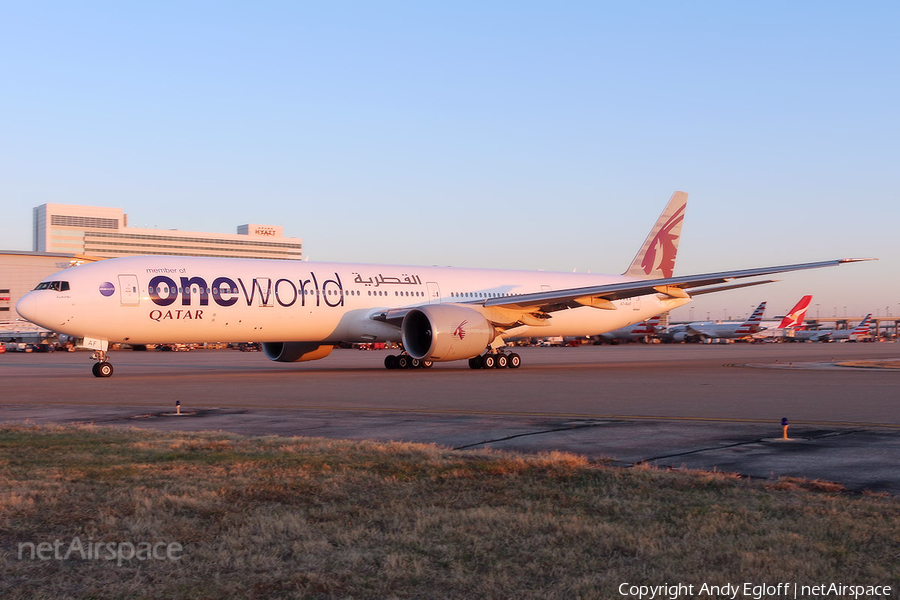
(864, 327)
(631, 333)
(752, 324)
(647, 327)
(301, 310)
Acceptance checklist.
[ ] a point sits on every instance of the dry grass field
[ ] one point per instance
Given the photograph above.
(272, 517)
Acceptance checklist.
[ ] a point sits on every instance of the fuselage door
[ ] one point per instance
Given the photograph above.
(128, 288)
(434, 293)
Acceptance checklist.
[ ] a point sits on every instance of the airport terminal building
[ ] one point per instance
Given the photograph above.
(66, 235)
(104, 233)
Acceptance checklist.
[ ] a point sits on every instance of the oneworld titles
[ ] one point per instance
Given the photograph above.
(225, 291)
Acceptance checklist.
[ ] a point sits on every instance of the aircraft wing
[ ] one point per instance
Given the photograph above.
(537, 304)
(601, 296)
(689, 328)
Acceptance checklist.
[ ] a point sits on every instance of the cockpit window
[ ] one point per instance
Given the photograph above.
(59, 286)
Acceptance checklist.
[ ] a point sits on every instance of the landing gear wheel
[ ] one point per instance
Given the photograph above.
(390, 361)
(415, 363)
(489, 361)
(427, 364)
(515, 361)
(502, 361)
(102, 369)
(476, 362)
(402, 362)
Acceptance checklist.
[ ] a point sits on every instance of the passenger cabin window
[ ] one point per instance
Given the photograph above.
(58, 286)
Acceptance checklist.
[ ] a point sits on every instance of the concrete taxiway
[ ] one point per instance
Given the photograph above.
(702, 407)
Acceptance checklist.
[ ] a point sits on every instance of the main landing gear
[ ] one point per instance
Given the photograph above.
(405, 361)
(102, 368)
(496, 360)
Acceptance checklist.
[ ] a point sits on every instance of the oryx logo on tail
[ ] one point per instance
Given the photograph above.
(661, 253)
(656, 258)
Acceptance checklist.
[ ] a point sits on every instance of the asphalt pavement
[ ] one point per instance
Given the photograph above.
(681, 406)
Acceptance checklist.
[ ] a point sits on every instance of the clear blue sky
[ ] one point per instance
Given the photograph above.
(526, 135)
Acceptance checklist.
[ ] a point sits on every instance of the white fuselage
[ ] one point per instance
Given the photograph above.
(719, 330)
(173, 299)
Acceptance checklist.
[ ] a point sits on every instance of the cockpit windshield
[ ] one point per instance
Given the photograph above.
(59, 286)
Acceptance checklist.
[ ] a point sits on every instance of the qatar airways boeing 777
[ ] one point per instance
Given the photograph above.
(301, 310)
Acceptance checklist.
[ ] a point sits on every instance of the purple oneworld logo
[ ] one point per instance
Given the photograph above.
(107, 289)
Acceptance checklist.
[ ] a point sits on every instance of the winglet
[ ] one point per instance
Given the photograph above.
(656, 258)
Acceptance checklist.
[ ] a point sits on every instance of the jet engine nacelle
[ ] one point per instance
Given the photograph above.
(296, 351)
(445, 332)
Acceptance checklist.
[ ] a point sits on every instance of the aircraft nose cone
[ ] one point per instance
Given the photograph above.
(27, 307)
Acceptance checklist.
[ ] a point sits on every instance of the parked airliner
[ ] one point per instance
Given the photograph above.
(863, 329)
(789, 325)
(301, 310)
(710, 330)
(632, 333)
